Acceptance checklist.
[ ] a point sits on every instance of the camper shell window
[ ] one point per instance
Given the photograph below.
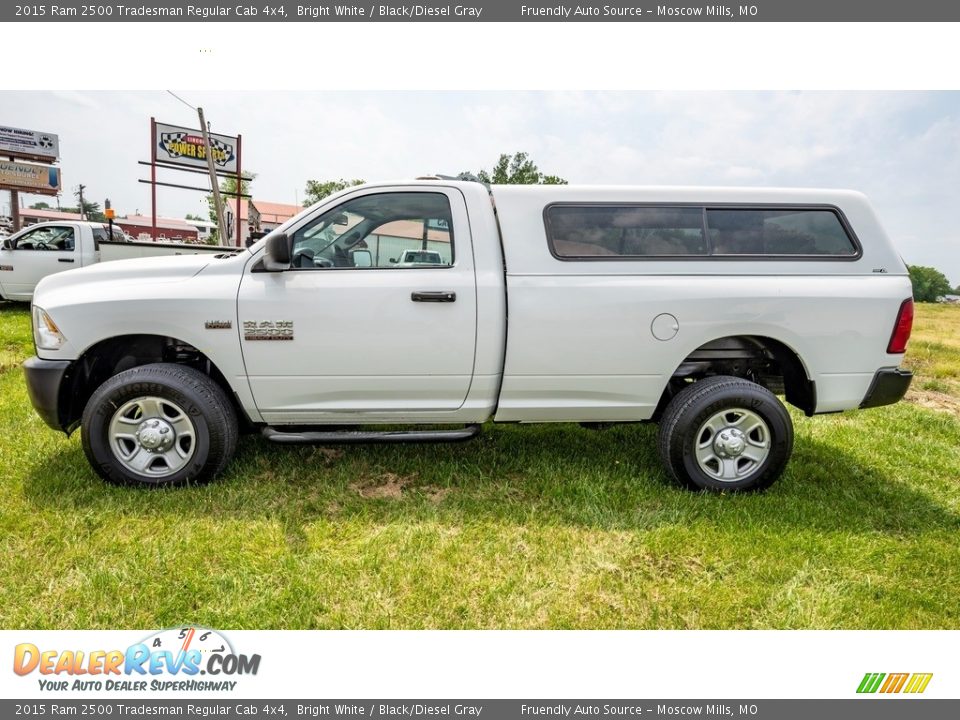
(641, 231)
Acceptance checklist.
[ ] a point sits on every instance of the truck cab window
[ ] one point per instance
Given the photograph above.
(383, 230)
(47, 238)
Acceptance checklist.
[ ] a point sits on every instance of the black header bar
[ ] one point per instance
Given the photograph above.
(483, 11)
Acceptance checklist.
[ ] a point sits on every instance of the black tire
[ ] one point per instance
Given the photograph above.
(211, 437)
(682, 431)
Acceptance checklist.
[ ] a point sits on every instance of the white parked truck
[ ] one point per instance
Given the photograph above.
(693, 307)
(46, 248)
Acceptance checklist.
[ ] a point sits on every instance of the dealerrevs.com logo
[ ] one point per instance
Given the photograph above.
(178, 659)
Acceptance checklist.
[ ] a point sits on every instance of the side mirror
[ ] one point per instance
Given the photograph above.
(278, 251)
(394, 261)
(362, 258)
(251, 241)
(8, 244)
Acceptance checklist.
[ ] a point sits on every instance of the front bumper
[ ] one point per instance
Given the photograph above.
(44, 378)
(889, 386)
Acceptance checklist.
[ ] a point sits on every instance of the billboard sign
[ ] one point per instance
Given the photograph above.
(29, 144)
(178, 145)
(37, 179)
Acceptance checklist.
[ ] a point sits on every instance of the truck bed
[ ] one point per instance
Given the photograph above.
(110, 250)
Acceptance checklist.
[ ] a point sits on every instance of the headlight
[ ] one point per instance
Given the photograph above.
(46, 334)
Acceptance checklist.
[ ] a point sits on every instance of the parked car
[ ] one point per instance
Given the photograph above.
(28, 256)
(413, 258)
(688, 306)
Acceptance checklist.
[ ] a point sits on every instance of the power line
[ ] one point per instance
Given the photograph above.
(182, 100)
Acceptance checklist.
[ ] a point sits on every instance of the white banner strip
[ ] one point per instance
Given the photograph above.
(478, 664)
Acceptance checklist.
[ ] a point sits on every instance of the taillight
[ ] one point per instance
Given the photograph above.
(902, 328)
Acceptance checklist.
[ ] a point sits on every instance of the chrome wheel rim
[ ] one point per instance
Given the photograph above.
(732, 444)
(152, 436)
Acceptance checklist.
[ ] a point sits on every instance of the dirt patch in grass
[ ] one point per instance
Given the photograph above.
(935, 401)
(388, 486)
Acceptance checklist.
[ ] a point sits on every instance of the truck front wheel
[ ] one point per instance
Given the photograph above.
(159, 425)
(725, 433)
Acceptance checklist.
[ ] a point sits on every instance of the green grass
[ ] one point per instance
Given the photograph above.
(16, 343)
(934, 352)
(536, 527)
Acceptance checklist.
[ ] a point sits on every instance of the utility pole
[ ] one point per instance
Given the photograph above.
(15, 209)
(217, 202)
(80, 190)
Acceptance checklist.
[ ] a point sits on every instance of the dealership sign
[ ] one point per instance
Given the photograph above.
(29, 144)
(38, 179)
(177, 145)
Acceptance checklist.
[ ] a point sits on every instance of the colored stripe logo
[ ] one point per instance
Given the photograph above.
(913, 683)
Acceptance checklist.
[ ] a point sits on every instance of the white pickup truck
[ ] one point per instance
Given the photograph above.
(687, 306)
(52, 247)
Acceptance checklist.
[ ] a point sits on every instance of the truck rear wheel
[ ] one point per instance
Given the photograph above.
(725, 434)
(159, 425)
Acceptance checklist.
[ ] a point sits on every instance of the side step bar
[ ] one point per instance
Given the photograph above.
(355, 437)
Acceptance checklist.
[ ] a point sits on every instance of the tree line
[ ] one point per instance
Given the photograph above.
(929, 284)
(510, 169)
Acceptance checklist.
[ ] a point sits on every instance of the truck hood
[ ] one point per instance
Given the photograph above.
(139, 271)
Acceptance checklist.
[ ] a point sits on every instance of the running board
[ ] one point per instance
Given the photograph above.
(356, 437)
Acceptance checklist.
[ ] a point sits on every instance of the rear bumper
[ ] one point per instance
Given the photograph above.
(44, 378)
(889, 386)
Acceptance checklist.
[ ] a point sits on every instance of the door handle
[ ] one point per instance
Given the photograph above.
(64, 259)
(443, 296)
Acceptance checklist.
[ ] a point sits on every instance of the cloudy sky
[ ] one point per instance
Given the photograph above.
(901, 148)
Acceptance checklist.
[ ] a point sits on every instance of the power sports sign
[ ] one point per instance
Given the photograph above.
(177, 145)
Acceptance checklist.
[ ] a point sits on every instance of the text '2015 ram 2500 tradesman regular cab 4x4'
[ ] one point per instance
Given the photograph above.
(691, 306)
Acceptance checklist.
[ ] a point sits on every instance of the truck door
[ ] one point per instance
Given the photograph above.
(37, 253)
(359, 329)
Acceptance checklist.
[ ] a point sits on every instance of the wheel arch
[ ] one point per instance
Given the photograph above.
(110, 356)
(766, 360)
